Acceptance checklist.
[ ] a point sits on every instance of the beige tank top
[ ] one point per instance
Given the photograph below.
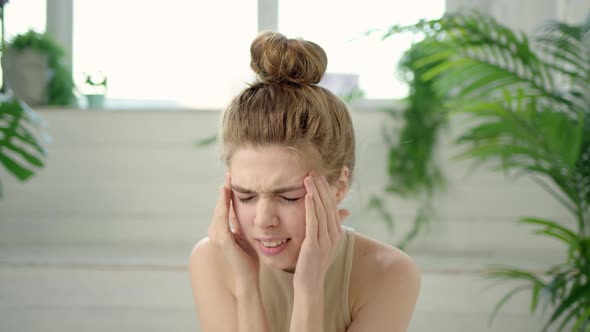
(276, 289)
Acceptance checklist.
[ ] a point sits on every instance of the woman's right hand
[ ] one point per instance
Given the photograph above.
(239, 254)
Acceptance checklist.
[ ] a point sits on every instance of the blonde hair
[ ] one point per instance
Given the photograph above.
(285, 106)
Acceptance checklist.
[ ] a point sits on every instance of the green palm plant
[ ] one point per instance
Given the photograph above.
(21, 139)
(529, 102)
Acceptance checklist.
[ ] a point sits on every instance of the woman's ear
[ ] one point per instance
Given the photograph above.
(342, 184)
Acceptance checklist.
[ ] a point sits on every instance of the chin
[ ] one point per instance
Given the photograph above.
(279, 264)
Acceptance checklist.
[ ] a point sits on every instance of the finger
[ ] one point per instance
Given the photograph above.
(220, 223)
(311, 224)
(320, 210)
(218, 212)
(237, 228)
(224, 216)
(330, 206)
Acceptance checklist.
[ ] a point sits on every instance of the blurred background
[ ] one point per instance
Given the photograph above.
(110, 167)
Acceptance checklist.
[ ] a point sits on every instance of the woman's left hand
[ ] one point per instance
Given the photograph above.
(323, 231)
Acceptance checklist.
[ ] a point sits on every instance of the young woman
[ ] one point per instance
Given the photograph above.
(277, 257)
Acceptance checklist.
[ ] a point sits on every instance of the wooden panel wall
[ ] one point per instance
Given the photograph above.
(100, 238)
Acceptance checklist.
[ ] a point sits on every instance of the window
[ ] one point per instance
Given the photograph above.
(175, 53)
(23, 15)
(195, 54)
(338, 26)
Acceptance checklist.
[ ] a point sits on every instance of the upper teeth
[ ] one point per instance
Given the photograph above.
(273, 243)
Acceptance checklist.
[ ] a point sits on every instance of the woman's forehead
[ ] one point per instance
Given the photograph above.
(267, 169)
(268, 156)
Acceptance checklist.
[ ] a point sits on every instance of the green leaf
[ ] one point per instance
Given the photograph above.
(487, 83)
(503, 272)
(584, 318)
(376, 203)
(574, 295)
(15, 114)
(444, 67)
(503, 301)
(568, 318)
(26, 156)
(21, 173)
(575, 142)
(207, 141)
(438, 56)
(566, 232)
(535, 296)
(491, 150)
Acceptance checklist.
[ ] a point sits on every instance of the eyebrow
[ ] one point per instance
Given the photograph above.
(279, 190)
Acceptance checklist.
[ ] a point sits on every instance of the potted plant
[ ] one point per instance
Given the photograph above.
(95, 89)
(32, 67)
(528, 101)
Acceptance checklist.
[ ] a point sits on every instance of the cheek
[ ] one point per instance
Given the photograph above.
(293, 216)
(244, 212)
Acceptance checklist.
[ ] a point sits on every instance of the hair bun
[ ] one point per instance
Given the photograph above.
(276, 58)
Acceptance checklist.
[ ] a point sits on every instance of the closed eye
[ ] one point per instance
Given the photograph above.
(286, 199)
(245, 199)
(291, 200)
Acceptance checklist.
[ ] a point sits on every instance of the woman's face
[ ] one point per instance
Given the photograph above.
(268, 197)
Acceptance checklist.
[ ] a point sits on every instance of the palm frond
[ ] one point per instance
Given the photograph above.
(582, 320)
(529, 100)
(476, 56)
(21, 148)
(570, 303)
(553, 228)
(504, 300)
(508, 272)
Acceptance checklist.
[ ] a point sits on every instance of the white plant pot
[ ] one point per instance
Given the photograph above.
(95, 101)
(27, 74)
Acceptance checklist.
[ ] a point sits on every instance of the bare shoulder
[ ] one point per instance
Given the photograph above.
(380, 270)
(202, 250)
(210, 280)
(371, 256)
(206, 263)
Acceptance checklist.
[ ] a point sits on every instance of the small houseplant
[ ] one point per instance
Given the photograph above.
(32, 63)
(96, 85)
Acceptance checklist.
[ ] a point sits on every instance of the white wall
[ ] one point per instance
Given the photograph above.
(105, 229)
(122, 186)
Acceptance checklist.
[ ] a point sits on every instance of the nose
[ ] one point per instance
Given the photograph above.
(266, 216)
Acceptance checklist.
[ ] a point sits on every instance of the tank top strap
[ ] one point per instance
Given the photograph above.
(349, 233)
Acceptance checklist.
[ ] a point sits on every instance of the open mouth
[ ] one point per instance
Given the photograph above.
(272, 248)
